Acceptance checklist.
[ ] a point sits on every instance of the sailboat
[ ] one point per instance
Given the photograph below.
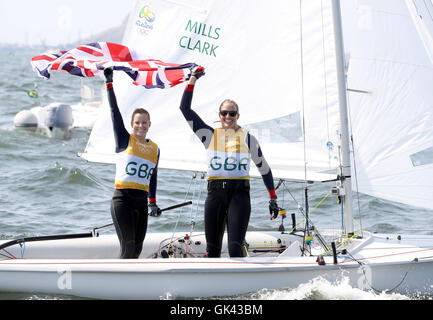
(358, 114)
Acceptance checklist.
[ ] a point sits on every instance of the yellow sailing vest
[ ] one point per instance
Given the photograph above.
(228, 155)
(135, 165)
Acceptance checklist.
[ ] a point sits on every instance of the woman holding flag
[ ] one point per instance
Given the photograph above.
(136, 176)
(137, 156)
(229, 151)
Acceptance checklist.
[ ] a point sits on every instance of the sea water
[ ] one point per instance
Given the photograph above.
(47, 189)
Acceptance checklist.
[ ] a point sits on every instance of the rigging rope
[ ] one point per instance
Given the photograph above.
(199, 193)
(9, 256)
(363, 265)
(180, 212)
(327, 249)
(326, 87)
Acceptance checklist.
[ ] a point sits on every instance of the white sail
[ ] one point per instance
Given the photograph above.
(278, 64)
(391, 60)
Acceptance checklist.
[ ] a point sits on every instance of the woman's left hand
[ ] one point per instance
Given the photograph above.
(155, 211)
(273, 209)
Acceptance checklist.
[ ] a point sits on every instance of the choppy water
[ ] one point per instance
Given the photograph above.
(47, 189)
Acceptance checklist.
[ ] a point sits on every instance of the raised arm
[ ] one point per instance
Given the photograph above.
(198, 126)
(121, 135)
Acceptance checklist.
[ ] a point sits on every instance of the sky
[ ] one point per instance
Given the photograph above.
(56, 22)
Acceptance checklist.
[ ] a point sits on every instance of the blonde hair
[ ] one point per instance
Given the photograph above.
(230, 101)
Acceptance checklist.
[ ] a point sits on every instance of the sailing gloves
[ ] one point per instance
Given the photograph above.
(273, 209)
(108, 73)
(199, 72)
(155, 211)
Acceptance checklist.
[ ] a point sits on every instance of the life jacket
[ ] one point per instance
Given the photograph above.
(135, 165)
(228, 155)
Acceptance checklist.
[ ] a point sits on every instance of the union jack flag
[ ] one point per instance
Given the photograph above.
(88, 60)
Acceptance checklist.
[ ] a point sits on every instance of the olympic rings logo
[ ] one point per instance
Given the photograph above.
(147, 14)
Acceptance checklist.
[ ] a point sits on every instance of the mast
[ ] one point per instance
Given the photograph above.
(344, 123)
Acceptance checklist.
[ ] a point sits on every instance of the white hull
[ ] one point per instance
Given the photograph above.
(88, 268)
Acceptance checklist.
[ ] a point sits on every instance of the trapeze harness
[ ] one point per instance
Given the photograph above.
(136, 179)
(228, 203)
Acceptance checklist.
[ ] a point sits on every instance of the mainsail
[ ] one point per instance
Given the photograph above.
(278, 64)
(277, 61)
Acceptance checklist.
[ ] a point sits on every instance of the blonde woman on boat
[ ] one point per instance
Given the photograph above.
(229, 151)
(136, 176)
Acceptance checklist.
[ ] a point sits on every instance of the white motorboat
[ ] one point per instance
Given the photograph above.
(57, 119)
(292, 79)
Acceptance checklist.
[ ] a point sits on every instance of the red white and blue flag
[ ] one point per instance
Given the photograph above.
(90, 59)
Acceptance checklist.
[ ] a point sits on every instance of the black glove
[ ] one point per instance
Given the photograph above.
(108, 73)
(273, 209)
(155, 211)
(199, 72)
